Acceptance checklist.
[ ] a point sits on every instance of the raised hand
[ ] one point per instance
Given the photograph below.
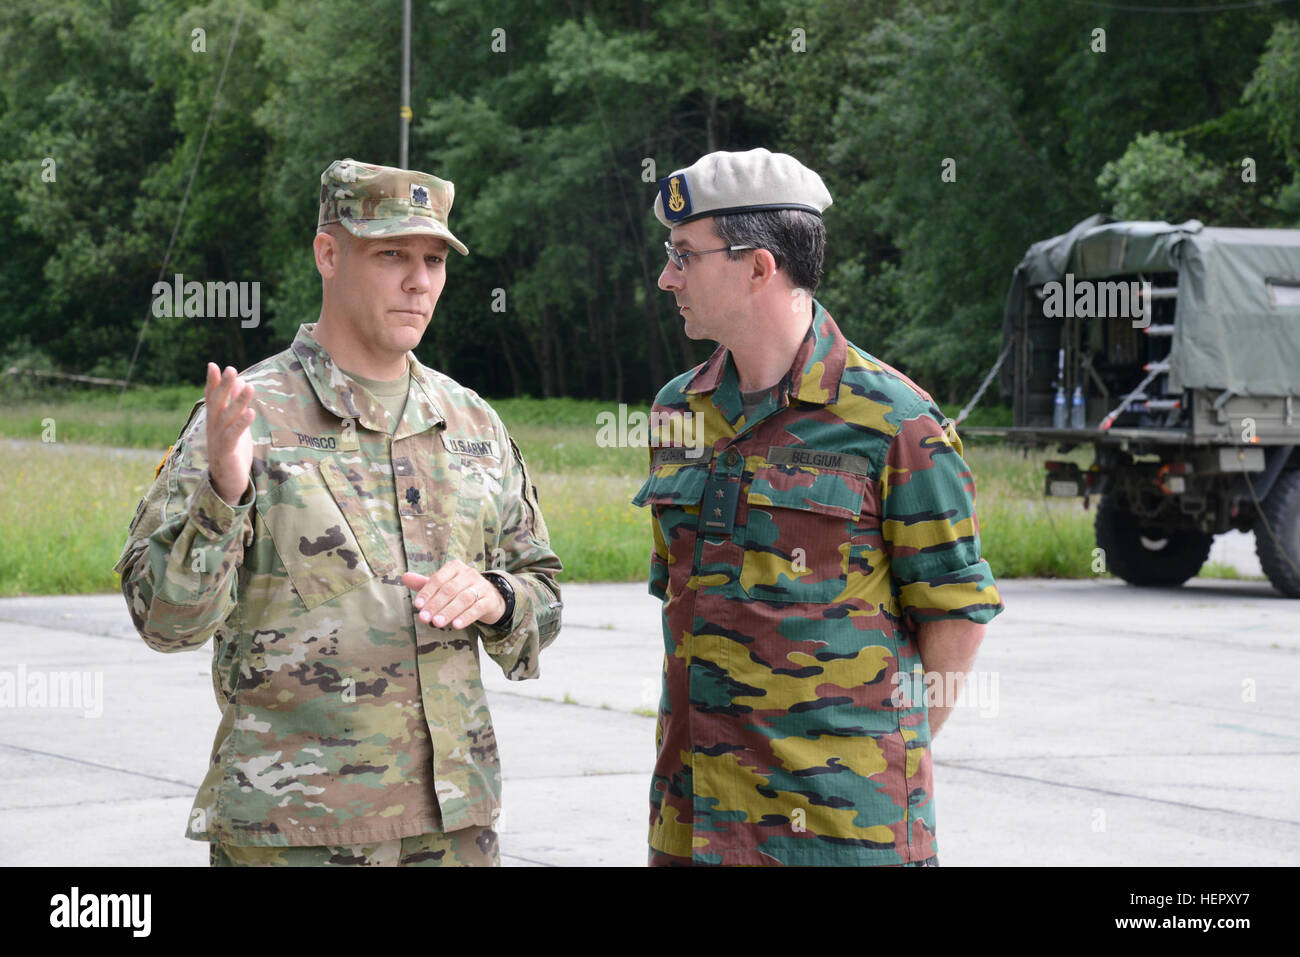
(230, 443)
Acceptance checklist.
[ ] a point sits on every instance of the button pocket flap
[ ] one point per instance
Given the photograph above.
(352, 505)
(673, 484)
(315, 541)
(820, 490)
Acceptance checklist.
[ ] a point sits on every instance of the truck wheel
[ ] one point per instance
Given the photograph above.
(1282, 510)
(1147, 555)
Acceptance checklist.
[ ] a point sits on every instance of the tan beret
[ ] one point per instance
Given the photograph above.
(722, 183)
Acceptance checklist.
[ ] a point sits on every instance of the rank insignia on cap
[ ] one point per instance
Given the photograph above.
(419, 195)
(676, 196)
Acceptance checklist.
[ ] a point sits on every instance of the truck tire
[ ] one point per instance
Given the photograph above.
(1145, 555)
(1281, 508)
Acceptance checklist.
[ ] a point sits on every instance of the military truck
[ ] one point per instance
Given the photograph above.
(1174, 351)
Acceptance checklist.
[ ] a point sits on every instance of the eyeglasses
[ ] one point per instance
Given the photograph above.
(678, 259)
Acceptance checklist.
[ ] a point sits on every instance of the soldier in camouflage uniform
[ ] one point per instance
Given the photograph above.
(816, 550)
(347, 526)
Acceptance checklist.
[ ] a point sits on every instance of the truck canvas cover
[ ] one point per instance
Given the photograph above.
(1237, 319)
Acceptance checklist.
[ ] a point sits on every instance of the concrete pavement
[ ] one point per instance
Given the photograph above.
(1108, 726)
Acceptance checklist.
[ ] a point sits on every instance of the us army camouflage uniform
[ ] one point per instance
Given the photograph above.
(345, 719)
(794, 558)
(468, 847)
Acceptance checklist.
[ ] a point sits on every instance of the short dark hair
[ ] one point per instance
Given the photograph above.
(795, 238)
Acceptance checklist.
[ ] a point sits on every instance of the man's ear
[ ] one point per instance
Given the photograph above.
(327, 250)
(764, 269)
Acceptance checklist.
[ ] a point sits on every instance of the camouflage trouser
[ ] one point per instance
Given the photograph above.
(468, 847)
(664, 859)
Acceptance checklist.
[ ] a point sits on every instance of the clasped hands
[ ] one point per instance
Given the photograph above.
(455, 593)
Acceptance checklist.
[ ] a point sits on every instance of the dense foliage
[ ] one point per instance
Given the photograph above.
(951, 135)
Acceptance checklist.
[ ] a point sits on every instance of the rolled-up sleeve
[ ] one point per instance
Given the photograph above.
(929, 526)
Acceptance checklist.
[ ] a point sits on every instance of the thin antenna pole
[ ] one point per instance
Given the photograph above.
(405, 112)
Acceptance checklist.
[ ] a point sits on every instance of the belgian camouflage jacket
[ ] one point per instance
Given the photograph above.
(795, 554)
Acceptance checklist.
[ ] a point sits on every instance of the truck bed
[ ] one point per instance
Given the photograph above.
(1024, 435)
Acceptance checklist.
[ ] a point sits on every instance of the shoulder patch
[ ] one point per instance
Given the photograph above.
(139, 509)
(162, 463)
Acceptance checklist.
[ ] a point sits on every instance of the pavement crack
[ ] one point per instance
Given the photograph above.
(578, 774)
(1128, 754)
(95, 764)
(1039, 625)
(527, 860)
(118, 800)
(69, 626)
(571, 704)
(1119, 794)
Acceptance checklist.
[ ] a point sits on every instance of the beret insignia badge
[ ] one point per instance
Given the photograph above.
(676, 196)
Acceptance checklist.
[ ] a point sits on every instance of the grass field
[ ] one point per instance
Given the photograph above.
(64, 510)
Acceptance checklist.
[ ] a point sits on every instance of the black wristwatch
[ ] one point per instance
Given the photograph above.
(502, 584)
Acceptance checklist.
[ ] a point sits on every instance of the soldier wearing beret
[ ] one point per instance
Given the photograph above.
(349, 527)
(816, 560)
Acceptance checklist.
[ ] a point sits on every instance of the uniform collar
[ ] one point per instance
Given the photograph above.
(814, 375)
(336, 393)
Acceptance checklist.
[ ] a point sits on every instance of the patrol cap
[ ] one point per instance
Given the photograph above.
(377, 201)
(722, 183)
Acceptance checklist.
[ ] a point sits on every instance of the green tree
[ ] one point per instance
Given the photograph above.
(1274, 95)
(933, 172)
(1156, 178)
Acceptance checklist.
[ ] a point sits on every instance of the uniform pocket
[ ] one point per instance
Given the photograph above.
(674, 484)
(797, 533)
(673, 492)
(314, 538)
(674, 487)
(352, 505)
